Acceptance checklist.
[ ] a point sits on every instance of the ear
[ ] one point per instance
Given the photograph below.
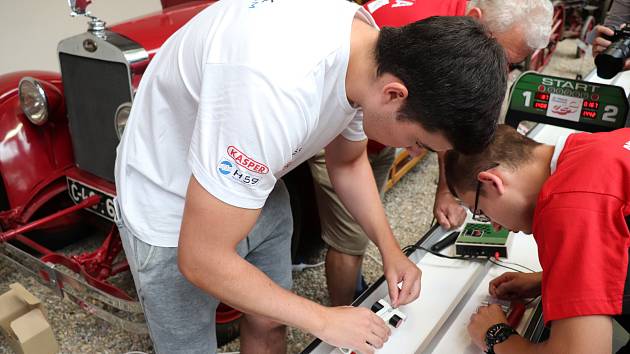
(395, 91)
(475, 13)
(492, 181)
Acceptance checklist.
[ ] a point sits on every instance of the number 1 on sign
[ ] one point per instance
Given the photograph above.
(528, 98)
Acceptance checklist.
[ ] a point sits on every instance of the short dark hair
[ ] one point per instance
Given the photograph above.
(508, 149)
(455, 72)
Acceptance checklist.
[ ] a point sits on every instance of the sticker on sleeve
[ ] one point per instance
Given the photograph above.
(247, 162)
(229, 169)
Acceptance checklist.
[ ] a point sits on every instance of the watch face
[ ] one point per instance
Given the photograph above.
(496, 334)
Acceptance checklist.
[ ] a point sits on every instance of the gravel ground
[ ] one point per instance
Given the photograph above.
(408, 205)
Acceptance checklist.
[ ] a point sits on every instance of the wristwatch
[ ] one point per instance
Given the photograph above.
(496, 334)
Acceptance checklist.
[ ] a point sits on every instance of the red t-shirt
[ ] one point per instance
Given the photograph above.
(397, 13)
(580, 229)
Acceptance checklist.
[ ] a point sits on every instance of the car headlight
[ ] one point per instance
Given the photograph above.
(33, 100)
(120, 118)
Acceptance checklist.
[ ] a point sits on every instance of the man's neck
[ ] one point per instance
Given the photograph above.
(361, 64)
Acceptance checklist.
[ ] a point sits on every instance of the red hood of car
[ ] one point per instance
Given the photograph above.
(150, 31)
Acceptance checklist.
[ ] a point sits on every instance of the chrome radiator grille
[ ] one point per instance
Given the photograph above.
(94, 89)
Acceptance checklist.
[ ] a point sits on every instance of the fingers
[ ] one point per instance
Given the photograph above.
(380, 328)
(392, 285)
(409, 292)
(377, 335)
(492, 289)
(456, 215)
(603, 30)
(442, 220)
(600, 43)
(495, 284)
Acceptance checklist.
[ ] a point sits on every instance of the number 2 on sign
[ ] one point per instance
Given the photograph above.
(610, 113)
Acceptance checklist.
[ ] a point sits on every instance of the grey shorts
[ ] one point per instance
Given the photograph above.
(339, 229)
(180, 316)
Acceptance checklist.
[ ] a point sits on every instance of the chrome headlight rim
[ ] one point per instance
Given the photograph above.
(41, 116)
(120, 118)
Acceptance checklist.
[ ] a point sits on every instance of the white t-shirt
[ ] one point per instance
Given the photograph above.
(239, 96)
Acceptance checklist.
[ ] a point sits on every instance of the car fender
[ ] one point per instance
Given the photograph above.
(31, 155)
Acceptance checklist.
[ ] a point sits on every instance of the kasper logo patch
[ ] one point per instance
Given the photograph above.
(245, 161)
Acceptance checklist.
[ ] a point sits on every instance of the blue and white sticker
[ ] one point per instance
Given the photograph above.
(231, 170)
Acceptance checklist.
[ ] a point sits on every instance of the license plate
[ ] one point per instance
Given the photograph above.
(79, 191)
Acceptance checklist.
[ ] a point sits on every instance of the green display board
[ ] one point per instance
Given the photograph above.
(568, 103)
(482, 233)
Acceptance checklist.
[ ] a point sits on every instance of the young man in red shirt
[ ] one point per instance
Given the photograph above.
(519, 26)
(575, 198)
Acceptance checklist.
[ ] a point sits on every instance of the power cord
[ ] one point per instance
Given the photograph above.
(494, 260)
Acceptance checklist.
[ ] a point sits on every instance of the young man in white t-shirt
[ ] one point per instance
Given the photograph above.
(242, 94)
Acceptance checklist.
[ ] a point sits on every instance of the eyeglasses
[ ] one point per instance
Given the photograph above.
(478, 215)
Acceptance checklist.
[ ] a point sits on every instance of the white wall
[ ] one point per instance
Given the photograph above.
(31, 29)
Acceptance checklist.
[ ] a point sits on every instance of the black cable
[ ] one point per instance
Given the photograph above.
(437, 254)
(504, 266)
(469, 258)
(519, 265)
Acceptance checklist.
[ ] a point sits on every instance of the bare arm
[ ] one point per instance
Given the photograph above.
(577, 335)
(207, 257)
(352, 178)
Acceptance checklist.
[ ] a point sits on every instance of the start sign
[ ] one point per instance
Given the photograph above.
(567, 103)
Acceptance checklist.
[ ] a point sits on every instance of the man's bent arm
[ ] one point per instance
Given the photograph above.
(353, 180)
(210, 232)
(207, 257)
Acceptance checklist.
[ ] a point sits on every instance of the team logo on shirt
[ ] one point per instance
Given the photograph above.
(243, 160)
(231, 170)
(225, 167)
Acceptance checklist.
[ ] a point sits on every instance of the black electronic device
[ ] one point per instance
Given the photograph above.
(445, 242)
(611, 61)
(481, 240)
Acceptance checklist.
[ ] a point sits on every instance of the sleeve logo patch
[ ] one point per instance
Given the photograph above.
(243, 160)
(225, 167)
(230, 170)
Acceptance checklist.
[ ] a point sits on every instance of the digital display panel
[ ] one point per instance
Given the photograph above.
(566, 102)
(541, 105)
(542, 96)
(589, 114)
(590, 104)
